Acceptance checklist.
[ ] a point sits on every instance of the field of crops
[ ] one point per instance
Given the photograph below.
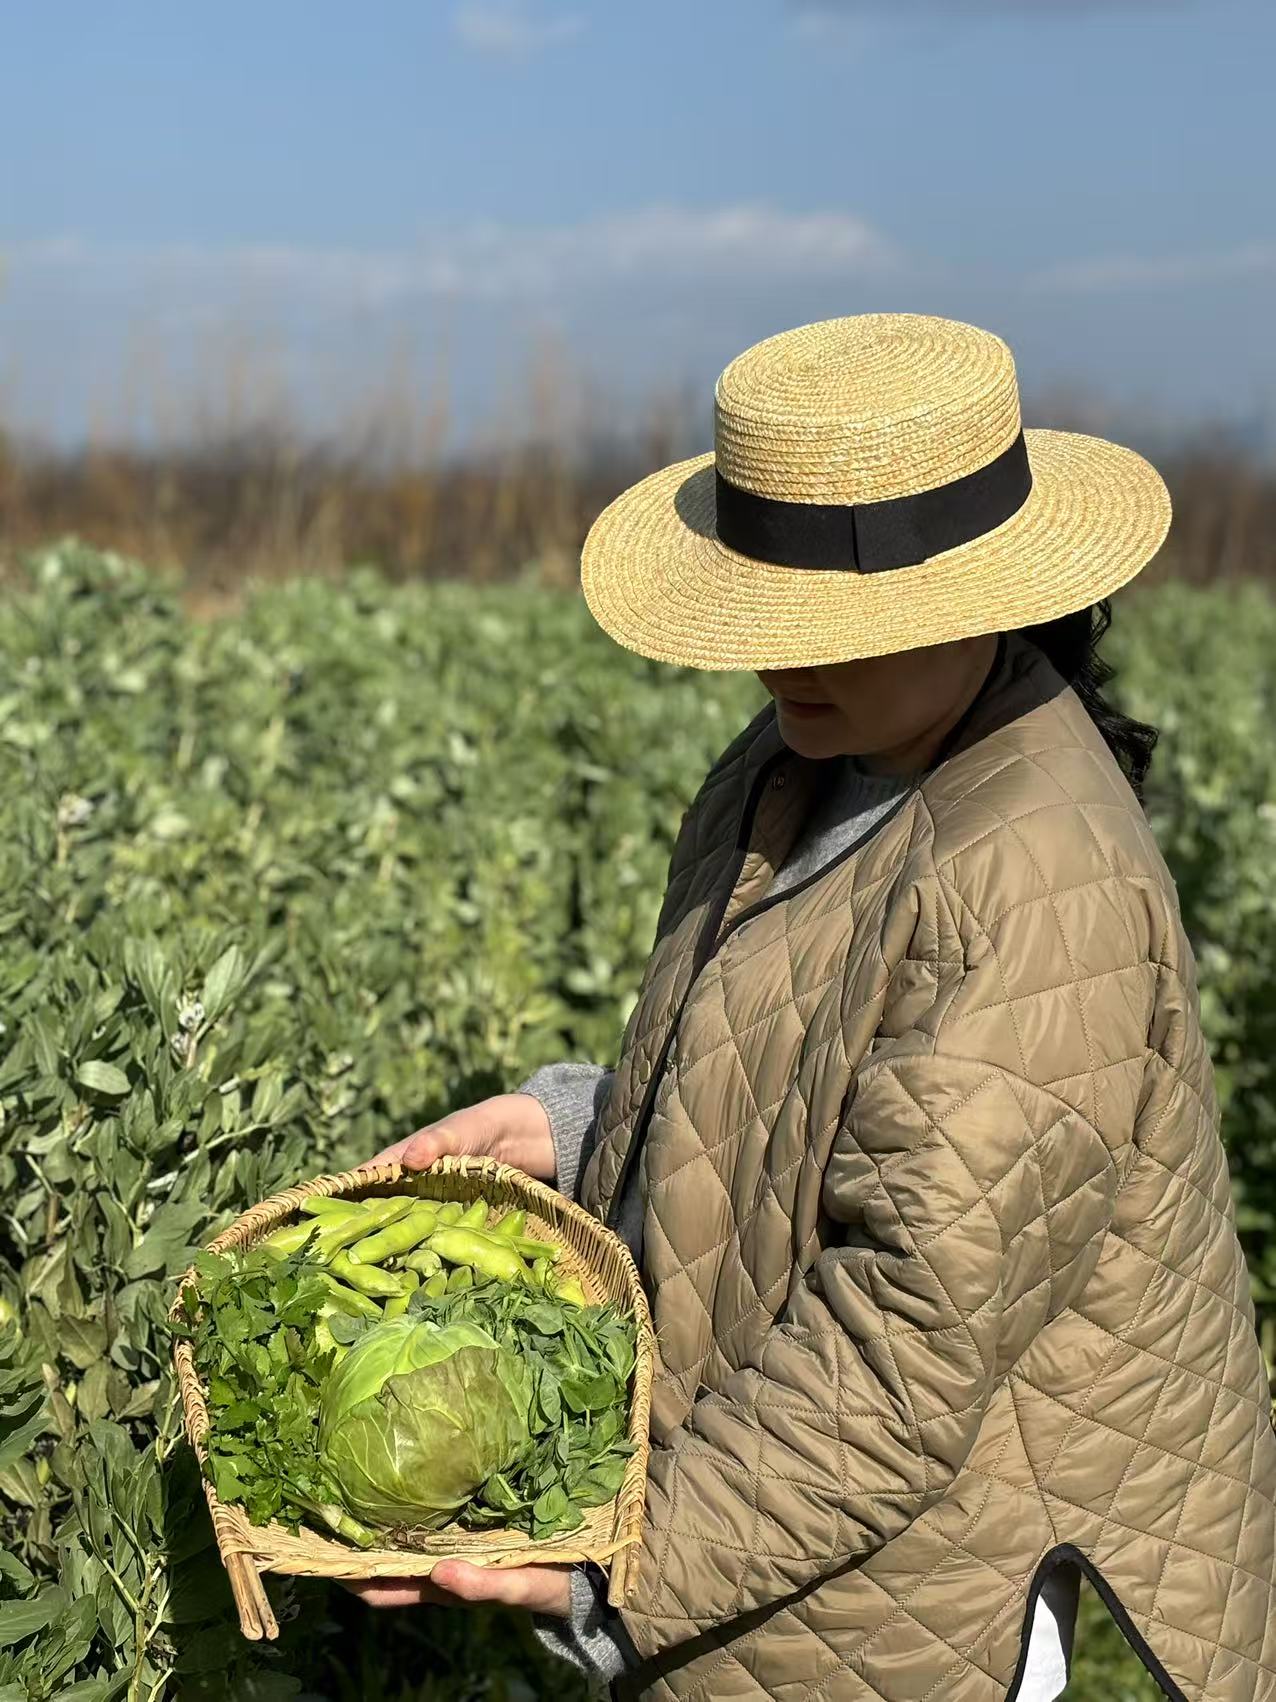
(277, 889)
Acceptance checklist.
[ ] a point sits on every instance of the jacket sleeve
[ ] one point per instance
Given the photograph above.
(967, 1189)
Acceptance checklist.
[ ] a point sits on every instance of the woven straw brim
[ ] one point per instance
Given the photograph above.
(658, 580)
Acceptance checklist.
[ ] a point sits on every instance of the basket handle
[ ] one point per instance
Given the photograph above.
(256, 1618)
(622, 1574)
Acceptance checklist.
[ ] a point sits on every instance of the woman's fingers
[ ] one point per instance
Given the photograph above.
(419, 1150)
(388, 1155)
(397, 1592)
(427, 1145)
(543, 1589)
(510, 1126)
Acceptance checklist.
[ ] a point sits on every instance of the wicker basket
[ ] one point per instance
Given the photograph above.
(606, 1271)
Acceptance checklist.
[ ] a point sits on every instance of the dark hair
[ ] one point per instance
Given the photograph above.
(1071, 643)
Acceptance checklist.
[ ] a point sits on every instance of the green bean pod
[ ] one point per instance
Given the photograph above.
(449, 1212)
(290, 1238)
(350, 1300)
(568, 1288)
(397, 1305)
(530, 1248)
(400, 1237)
(436, 1286)
(542, 1271)
(343, 1231)
(510, 1227)
(459, 1246)
(461, 1277)
(328, 1206)
(474, 1216)
(425, 1261)
(366, 1278)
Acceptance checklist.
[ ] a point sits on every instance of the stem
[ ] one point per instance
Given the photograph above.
(141, 1633)
(233, 1135)
(120, 1585)
(337, 1519)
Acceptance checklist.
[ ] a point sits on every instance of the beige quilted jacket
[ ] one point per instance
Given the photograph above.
(940, 1238)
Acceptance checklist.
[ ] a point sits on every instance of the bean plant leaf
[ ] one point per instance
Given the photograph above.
(223, 981)
(425, 913)
(101, 1077)
(166, 1241)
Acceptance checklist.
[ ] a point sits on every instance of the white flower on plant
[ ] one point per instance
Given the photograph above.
(73, 810)
(190, 1016)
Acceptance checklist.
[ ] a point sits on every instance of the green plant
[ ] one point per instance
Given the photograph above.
(275, 891)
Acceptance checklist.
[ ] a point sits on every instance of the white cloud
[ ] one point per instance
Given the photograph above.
(657, 248)
(1133, 271)
(505, 28)
(492, 261)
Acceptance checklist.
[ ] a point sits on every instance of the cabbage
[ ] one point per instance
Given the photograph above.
(418, 1415)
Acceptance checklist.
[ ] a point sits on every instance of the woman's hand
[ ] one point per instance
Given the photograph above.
(511, 1127)
(542, 1589)
(514, 1128)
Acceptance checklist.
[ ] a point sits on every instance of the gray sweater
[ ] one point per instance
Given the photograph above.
(573, 1094)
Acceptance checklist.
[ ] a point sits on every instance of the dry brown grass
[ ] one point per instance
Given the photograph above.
(239, 488)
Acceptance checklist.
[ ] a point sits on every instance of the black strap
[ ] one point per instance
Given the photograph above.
(873, 537)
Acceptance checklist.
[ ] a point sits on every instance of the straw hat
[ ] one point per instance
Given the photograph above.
(871, 490)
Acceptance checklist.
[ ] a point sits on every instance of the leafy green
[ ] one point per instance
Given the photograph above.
(417, 1416)
(251, 1324)
(580, 1359)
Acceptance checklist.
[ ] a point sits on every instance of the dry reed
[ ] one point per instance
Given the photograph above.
(239, 487)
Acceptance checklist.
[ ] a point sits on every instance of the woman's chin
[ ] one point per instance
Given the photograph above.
(803, 742)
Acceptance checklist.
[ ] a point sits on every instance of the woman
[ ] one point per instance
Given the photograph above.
(913, 1127)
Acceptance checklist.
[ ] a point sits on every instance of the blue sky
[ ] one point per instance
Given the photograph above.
(652, 188)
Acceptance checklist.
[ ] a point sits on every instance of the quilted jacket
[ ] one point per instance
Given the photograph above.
(939, 1237)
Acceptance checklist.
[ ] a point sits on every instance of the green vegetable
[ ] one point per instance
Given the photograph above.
(338, 1520)
(461, 1277)
(328, 1206)
(581, 1359)
(418, 1416)
(397, 1305)
(366, 1278)
(474, 1216)
(253, 1327)
(324, 1339)
(493, 1258)
(511, 1225)
(531, 1248)
(450, 1212)
(425, 1261)
(289, 1238)
(401, 1237)
(349, 1299)
(435, 1285)
(374, 1214)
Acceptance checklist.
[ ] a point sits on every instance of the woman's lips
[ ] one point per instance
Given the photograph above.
(803, 710)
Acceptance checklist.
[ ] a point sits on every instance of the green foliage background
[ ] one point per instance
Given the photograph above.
(278, 889)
